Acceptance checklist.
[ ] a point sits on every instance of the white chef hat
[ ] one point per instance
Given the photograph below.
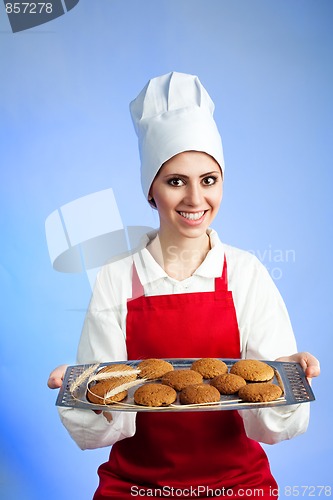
(172, 114)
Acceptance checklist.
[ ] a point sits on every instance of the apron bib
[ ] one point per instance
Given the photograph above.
(192, 454)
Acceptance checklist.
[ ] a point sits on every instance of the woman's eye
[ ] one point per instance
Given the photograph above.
(209, 181)
(176, 182)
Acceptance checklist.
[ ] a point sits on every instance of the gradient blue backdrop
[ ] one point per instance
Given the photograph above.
(66, 132)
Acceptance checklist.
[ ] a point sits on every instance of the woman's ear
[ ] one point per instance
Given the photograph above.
(151, 201)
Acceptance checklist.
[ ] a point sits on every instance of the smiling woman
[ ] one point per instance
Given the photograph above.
(184, 294)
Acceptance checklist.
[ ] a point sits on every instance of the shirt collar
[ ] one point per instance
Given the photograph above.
(212, 266)
(150, 271)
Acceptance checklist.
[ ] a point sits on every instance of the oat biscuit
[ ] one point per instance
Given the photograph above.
(154, 368)
(209, 367)
(178, 379)
(198, 394)
(253, 370)
(228, 383)
(260, 392)
(96, 393)
(155, 395)
(98, 389)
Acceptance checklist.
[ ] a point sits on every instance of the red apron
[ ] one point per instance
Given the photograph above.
(193, 454)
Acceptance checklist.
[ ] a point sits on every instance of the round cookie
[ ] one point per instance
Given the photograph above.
(260, 393)
(154, 368)
(96, 393)
(228, 383)
(198, 394)
(252, 370)
(155, 395)
(209, 367)
(178, 379)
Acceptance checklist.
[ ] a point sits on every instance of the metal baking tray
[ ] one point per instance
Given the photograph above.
(289, 376)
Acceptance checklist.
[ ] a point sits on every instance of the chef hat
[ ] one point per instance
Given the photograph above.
(172, 114)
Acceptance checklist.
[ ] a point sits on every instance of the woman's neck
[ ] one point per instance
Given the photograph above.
(179, 257)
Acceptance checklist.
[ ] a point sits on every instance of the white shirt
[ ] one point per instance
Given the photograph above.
(263, 321)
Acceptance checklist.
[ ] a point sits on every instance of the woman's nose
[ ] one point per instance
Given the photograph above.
(194, 195)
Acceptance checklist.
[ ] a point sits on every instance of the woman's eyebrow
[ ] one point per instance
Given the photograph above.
(187, 177)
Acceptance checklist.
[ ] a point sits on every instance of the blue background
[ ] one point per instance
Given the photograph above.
(66, 132)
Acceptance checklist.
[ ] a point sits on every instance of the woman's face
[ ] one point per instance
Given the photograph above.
(187, 192)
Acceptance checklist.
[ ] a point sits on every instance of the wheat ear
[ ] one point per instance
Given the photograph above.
(83, 377)
(118, 373)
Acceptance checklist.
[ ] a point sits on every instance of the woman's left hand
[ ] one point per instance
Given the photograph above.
(308, 362)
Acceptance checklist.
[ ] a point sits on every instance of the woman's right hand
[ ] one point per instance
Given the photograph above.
(55, 380)
(56, 377)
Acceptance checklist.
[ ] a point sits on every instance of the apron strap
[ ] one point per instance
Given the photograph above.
(221, 283)
(137, 288)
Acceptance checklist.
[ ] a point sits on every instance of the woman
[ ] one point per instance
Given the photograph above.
(184, 294)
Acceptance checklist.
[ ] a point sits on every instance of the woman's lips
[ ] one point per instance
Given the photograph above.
(193, 218)
(192, 215)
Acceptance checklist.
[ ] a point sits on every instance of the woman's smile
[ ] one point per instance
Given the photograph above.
(193, 218)
(192, 215)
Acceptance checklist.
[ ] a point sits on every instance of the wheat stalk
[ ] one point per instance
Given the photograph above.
(117, 390)
(122, 387)
(83, 377)
(107, 375)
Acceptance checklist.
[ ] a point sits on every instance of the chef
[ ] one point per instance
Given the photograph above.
(184, 294)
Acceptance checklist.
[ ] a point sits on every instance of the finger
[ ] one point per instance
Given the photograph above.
(312, 370)
(108, 416)
(56, 377)
(54, 382)
(312, 365)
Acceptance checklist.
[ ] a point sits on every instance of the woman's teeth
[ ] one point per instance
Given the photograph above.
(192, 216)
